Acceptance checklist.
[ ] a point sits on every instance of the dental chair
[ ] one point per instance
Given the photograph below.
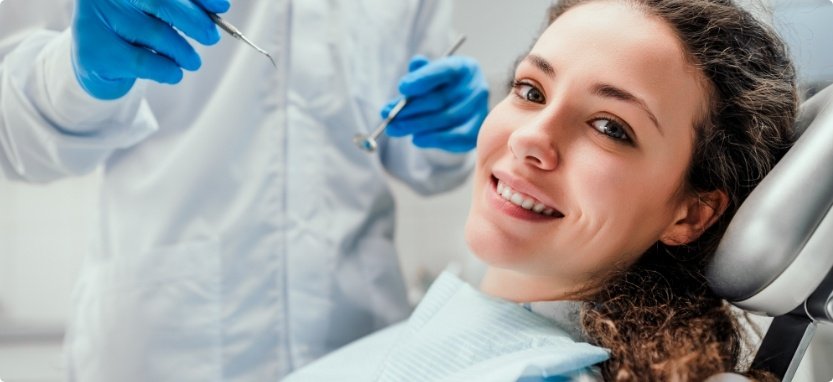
(776, 258)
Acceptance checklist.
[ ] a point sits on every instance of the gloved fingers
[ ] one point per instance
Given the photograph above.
(133, 62)
(438, 100)
(151, 33)
(417, 62)
(216, 6)
(457, 140)
(424, 123)
(185, 16)
(143, 63)
(387, 108)
(435, 74)
(155, 67)
(474, 104)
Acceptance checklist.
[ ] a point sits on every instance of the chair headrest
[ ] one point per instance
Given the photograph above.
(778, 249)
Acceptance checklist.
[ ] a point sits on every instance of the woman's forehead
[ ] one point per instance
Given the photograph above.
(614, 43)
(612, 27)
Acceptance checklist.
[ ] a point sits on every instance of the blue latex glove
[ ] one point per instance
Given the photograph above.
(117, 41)
(448, 99)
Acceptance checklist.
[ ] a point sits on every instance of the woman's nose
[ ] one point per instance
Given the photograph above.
(533, 145)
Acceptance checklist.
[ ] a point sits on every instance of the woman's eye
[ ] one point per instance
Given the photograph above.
(611, 128)
(528, 92)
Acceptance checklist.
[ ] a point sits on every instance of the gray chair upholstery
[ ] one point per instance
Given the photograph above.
(776, 258)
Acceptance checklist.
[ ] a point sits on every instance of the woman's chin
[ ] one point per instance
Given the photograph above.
(490, 247)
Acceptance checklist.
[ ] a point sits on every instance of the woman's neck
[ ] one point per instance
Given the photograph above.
(521, 287)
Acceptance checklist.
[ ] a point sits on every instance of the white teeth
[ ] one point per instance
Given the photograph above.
(522, 201)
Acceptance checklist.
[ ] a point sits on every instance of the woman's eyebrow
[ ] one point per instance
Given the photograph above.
(610, 91)
(603, 90)
(540, 63)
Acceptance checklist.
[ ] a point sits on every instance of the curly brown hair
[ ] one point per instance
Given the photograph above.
(659, 318)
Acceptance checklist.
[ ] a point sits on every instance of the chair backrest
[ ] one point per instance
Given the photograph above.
(776, 257)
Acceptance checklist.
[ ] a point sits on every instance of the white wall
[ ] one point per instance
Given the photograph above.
(43, 230)
(807, 27)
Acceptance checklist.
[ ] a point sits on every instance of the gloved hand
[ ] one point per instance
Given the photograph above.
(448, 100)
(117, 41)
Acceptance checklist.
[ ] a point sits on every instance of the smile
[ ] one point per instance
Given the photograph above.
(524, 201)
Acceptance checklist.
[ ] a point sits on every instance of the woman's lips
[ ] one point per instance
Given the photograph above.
(520, 205)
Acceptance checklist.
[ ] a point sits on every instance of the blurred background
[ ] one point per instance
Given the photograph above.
(44, 228)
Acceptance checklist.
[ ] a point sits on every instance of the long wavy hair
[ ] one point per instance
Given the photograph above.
(658, 317)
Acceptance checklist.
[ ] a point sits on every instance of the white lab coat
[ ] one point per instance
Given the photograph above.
(242, 234)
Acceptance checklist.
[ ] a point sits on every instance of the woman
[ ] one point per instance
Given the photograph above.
(632, 132)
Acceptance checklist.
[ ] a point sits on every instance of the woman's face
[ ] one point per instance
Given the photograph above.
(593, 142)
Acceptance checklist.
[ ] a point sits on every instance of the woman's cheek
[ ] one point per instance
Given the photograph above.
(488, 130)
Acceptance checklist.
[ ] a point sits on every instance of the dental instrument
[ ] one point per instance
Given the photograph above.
(368, 142)
(234, 32)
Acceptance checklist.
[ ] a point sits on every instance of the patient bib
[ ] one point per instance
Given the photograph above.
(459, 334)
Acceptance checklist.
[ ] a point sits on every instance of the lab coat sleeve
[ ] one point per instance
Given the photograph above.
(49, 126)
(427, 171)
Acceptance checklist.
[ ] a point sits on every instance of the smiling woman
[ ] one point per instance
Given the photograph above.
(603, 137)
(604, 179)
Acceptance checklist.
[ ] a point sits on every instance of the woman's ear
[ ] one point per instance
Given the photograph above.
(696, 214)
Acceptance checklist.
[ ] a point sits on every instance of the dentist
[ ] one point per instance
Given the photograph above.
(242, 234)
